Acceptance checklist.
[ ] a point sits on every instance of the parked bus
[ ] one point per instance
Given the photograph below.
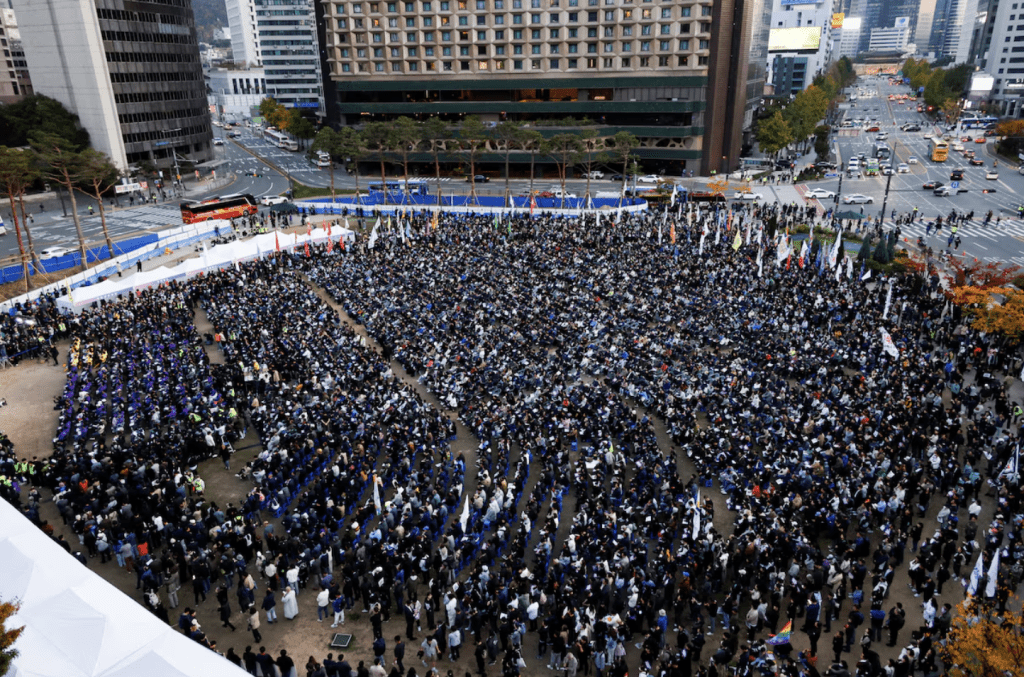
(410, 186)
(940, 149)
(882, 151)
(280, 139)
(224, 207)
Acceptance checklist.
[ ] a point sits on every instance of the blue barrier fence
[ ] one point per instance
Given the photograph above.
(73, 259)
(399, 199)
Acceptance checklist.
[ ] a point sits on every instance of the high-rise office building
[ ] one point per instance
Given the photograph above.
(802, 43)
(950, 20)
(15, 83)
(637, 66)
(890, 40)
(287, 35)
(128, 68)
(1000, 75)
(245, 46)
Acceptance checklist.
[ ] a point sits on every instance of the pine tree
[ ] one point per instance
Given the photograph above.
(882, 251)
(865, 249)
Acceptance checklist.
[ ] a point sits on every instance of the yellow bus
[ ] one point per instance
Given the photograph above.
(940, 149)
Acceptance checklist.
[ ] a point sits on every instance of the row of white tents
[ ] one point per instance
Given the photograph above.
(216, 258)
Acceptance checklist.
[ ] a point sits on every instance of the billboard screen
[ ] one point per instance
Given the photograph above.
(803, 38)
(837, 20)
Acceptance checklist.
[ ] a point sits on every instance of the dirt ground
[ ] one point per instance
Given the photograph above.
(29, 420)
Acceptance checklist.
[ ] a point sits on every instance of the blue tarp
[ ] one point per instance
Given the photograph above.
(13, 273)
(375, 199)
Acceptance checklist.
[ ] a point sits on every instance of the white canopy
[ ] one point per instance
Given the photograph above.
(77, 624)
(217, 258)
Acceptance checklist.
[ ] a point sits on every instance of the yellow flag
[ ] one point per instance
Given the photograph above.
(737, 242)
(68, 285)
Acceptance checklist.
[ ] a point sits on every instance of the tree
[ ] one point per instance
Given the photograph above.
(15, 176)
(623, 152)
(405, 136)
(935, 91)
(1010, 128)
(326, 141)
(508, 133)
(981, 274)
(101, 175)
(300, 127)
(821, 145)
(882, 251)
(40, 113)
(377, 137)
(472, 138)
(590, 156)
(530, 141)
(804, 113)
(774, 134)
(8, 637)
(268, 106)
(983, 643)
(350, 148)
(564, 149)
(60, 163)
(436, 134)
(865, 249)
(951, 108)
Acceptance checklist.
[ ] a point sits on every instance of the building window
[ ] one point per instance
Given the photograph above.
(645, 62)
(645, 46)
(663, 61)
(686, 11)
(684, 45)
(683, 60)
(574, 48)
(625, 62)
(645, 29)
(609, 47)
(591, 63)
(535, 49)
(591, 16)
(704, 44)
(481, 35)
(627, 47)
(357, 8)
(481, 50)
(664, 45)
(535, 64)
(339, 9)
(554, 49)
(609, 15)
(646, 14)
(572, 64)
(465, 66)
(608, 62)
(553, 32)
(517, 64)
(554, 63)
(481, 65)
(702, 61)
(498, 35)
(448, 65)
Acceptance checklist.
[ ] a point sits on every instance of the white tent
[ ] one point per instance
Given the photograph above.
(216, 258)
(77, 624)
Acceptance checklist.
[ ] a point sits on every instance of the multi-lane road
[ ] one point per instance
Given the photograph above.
(242, 158)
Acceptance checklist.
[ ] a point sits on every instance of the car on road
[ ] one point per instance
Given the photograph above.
(615, 177)
(992, 175)
(648, 178)
(595, 175)
(928, 135)
(947, 191)
(824, 165)
(968, 154)
(883, 136)
(479, 178)
(742, 195)
(976, 162)
(912, 160)
(980, 139)
(217, 141)
(857, 199)
(235, 134)
(54, 252)
(820, 194)
(887, 170)
(903, 168)
(783, 164)
(911, 128)
(958, 147)
(874, 128)
(956, 175)
(273, 200)
(933, 184)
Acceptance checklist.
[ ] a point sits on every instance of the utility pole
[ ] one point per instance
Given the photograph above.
(885, 199)
(835, 209)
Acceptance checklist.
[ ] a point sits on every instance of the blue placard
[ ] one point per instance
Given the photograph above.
(832, 175)
(954, 185)
(305, 104)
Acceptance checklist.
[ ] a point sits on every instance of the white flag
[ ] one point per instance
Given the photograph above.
(373, 234)
(839, 272)
(760, 263)
(849, 268)
(781, 252)
(376, 495)
(718, 229)
(464, 519)
(888, 346)
(803, 253)
(976, 574)
(993, 576)
(888, 301)
(866, 276)
(672, 198)
(696, 523)
(703, 235)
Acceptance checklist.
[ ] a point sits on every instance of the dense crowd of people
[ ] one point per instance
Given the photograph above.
(615, 372)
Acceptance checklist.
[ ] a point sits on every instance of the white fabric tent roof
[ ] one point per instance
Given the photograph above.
(215, 258)
(77, 624)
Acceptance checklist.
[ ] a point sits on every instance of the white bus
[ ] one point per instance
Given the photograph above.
(280, 139)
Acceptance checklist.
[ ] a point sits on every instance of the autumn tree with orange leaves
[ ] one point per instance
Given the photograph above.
(994, 310)
(982, 274)
(982, 643)
(8, 637)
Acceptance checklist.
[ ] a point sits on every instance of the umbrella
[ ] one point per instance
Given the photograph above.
(849, 215)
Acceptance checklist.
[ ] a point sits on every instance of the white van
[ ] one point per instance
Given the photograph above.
(557, 193)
